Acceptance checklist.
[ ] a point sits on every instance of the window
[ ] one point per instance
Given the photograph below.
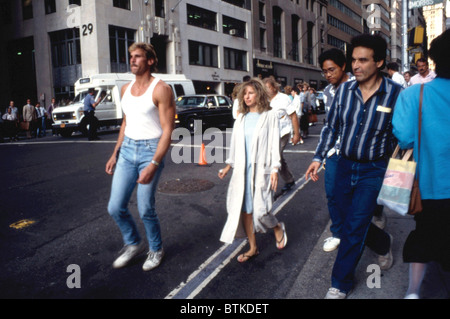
(159, 9)
(235, 59)
(65, 46)
(179, 90)
(123, 4)
(295, 38)
(246, 4)
(201, 18)
(5, 12)
(309, 58)
(335, 22)
(223, 101)
(277, 41)
(262, 39)
(120, 39)
(338, 43)
(76, 2)
(203, 54)
(27, 9)
(262, 12)
(234, 27)
(50, 6)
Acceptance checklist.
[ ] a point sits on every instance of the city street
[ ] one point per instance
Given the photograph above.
(58, 185)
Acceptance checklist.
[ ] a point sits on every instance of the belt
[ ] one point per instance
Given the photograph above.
(382, 158)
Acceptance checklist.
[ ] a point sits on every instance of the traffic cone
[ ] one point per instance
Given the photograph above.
(202, 158)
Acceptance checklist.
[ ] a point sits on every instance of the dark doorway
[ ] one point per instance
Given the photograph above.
(160, 45)
(22, 71)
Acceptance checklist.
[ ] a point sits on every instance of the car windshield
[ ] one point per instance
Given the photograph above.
(190, 101)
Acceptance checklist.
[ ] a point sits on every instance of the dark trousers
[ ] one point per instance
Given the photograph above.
(356, 190)
(10, 129)
(91, 120)
(330, 189)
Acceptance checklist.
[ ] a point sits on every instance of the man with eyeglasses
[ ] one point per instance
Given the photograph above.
(360, 116)
(333, 64)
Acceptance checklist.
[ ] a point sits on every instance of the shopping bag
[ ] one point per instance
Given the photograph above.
(398, 182)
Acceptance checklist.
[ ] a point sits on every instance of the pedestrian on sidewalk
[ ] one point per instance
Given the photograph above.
(333, 64)
(148, 105)
(29, 117)
(296, 103)
(304, 119)
(425, 74)
(288, 124)
(361, 115)
(255, 158)
(431, 237)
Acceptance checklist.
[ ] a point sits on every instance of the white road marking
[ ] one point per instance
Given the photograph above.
(200, 278)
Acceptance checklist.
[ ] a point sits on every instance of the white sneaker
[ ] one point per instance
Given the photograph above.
(153, 260)
(331, 243)
(412, 296)
(334, 293)
(386, 261)
(127, 254)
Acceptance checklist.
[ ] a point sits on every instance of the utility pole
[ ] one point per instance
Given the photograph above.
(405, 58)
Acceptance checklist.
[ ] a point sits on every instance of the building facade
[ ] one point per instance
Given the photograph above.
(49, 44)
(52, 43)
(288, 36)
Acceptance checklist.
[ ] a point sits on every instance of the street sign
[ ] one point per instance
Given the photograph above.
(413, 4)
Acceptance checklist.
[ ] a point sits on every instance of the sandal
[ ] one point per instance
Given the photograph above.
(243, 257)
(283, 239)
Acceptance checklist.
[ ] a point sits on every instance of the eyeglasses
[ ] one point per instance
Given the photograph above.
(330, 70)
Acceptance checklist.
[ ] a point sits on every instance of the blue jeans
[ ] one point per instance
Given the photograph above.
(133, 158)
(330, 181)
(356, 191)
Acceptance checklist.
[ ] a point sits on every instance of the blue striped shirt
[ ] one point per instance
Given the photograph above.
(365, 128)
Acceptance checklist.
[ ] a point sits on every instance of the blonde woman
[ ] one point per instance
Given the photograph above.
(255, 158)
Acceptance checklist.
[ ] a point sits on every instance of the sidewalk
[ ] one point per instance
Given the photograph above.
(315, 277)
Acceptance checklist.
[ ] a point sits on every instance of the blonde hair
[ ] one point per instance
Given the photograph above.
(236, 89)
(149, 52)
(262, 97)
(271, 80)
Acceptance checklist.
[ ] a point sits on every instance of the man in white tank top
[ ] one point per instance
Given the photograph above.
(138, 158)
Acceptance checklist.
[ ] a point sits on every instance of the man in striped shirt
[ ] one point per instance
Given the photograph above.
(360, 116)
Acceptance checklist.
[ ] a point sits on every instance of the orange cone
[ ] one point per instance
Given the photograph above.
(202, 157)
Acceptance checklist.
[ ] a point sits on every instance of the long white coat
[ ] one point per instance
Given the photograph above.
(265, 157)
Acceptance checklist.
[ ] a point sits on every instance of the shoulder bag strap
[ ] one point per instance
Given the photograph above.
(420, 119)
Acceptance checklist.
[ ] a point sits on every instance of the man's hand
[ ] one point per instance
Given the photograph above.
(296, 129)
(296, 138)
(110, 165)
(312, 171)
(147, 174)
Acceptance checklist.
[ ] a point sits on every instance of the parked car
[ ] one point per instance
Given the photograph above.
(320, 104)
(213, 110)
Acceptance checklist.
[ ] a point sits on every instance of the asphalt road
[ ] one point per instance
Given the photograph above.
(59, 185)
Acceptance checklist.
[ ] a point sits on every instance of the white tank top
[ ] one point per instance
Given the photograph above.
(142, 122)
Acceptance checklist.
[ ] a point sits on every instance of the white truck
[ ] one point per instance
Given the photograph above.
(68, 119)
